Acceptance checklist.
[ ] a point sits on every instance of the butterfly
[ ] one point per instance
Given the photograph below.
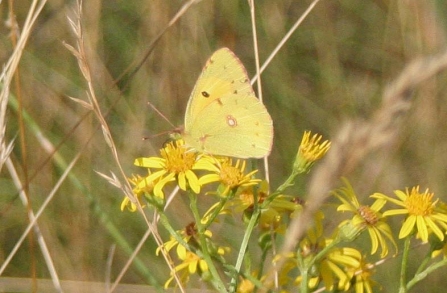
(223, 116)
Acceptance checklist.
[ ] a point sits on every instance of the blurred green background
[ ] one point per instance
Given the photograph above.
(334, 67)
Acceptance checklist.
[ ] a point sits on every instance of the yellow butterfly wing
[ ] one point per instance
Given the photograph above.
(223, 115)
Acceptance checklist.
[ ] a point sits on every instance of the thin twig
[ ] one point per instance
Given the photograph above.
(284, 40)
(258, 74)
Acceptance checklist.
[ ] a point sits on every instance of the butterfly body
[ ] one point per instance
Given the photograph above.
(223, 115)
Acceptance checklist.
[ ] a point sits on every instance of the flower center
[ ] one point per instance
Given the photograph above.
(368, 215)
(177, 158)
(247, 197)
(419, 204)
(230, 176)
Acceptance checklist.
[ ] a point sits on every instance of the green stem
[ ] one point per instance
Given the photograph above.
(287, 183)
(323, 253)
(304, 288)
(421, 275)
(280, 190)
(216, 280)
(252, 224)
(304, 271)
(244, 245)
(217, 210)
(265, 250)
(165, 222)
(403, 269)
(424, 262)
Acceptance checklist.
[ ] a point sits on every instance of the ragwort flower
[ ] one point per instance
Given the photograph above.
(422, 212)
(245, 285)
(191, 263)
(245, 197)
(187, 234)
(331, 269)
(310, 150)
(439, 246)
(230, 176)
(359, 273)
(276, 215)
(366, 217)
(141, 187)
(176, 163)
(341, 268)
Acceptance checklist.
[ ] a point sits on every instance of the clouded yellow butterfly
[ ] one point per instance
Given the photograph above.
(223, 115)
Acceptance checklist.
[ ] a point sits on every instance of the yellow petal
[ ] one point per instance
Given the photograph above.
(407, 227)
(182, 180)
(152, 162)
(193, 181)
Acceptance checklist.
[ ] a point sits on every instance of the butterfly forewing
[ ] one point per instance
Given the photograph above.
(223, 73)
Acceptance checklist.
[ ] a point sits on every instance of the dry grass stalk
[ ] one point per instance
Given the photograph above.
(79, 51)
(10, 68)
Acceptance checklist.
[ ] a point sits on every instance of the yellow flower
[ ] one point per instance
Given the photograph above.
(190, 231)
(310, 150)
(243, 201)
(275, 216)
(245, 286)
(331, 269)
(366, 217)
(439, 246)
(245, 198)
(141, 187)
(176, 163)
(327, 269)
(421, 210)
(191, 263)
(341, 268)
(359, 273)
(229, 175)
(271, 215)
(313, 239)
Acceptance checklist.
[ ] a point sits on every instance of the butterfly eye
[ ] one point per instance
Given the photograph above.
(205, 94)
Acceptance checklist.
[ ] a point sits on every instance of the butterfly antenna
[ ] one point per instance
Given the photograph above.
(156, 135)
(161, 114)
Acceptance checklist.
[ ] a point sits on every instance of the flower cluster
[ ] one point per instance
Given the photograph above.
(321, 259)
(179, 164)
(334, 260)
